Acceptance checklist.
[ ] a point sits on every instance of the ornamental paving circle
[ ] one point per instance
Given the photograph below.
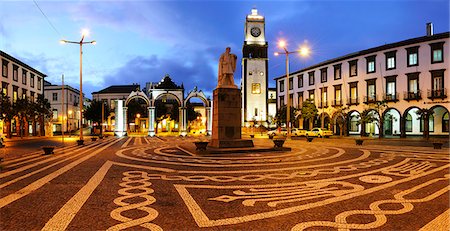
(143, 183)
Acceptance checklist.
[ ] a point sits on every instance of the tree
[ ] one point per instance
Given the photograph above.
(373, 115)
(424, 115)
(44, 112)
(342, 118)
(191, 113)
(309, 111)
(7, 113)
(93, 112)
(21, 108)
(280, 117)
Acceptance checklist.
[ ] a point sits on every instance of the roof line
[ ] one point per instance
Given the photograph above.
(2, 53)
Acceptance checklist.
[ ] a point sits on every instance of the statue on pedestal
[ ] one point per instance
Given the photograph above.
(227, 66)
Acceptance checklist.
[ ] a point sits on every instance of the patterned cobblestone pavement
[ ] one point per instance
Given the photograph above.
(140, 183)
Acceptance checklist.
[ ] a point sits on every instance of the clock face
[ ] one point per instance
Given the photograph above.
(255, 31)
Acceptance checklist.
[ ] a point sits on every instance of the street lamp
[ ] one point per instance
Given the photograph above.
(303, 51)
(81, 42)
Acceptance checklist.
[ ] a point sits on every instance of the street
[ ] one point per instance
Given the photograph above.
(143, 183)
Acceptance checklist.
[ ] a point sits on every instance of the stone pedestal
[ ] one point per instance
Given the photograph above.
(226, 124)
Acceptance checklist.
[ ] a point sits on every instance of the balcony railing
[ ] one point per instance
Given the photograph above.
(323, 104)
(336, 103)
(412, 95)
(390, 97)
(353, 101)
(370, 99)
(437, 93)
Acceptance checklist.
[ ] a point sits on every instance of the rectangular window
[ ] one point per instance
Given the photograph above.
(324, 98)
(55, 97)
(390, 60)
(371, 68)
(311, 95)
(291, 83)
(437, 52)
(337, 95)
(311, 78)
(323, 75)
(15, 93)
(413, 91)
(256, 111)
(281, 85)
(353, 93)
(39, 83)
(4, 68)
(391, 88)
(15, 73)
(300, 81)
(353, 67)
(282, 101)
(256, 89)
(24, 93)
(31, 80)
(300, 99)
(32, 96)
(371, 91)
(337, 71)
(55, 114)
(291, 100)
(5, 88)
(412, 56)
(24, 77)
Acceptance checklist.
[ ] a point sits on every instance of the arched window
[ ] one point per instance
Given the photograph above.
(408, 123)
(445, 124)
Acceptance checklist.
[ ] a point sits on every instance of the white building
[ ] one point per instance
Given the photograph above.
(20, 80)
(254, 82)
(410, 75)
(66, 115)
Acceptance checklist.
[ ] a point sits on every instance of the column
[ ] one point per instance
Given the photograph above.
(125, 120)
(151, 121)
(183, 121)
(208, 121)
(402, 127)
(118, 129)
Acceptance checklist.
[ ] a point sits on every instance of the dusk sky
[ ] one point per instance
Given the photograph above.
(141, 41)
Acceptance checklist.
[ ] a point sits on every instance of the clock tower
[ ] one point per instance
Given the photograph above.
(254, 71)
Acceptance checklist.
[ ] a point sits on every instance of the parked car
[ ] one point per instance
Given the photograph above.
(277, 132)
(319, 132)
(298, 132)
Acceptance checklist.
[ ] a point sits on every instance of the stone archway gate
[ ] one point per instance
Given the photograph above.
(155, 94)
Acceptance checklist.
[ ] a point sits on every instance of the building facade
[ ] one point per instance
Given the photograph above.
(409, 77)
(254, 81)
(66, 109)
(19, 80)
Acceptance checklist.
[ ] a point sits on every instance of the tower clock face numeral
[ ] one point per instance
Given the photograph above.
(255, 31)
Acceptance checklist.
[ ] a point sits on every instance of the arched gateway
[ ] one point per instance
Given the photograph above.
(157, 92)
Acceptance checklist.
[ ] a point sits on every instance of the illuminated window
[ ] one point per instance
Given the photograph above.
(24, 94)
(5, 88)
(437, 52)
(15, 93)
(371, 64)
(256, 88)
(390, 60)
(412, 56)
(55, 114)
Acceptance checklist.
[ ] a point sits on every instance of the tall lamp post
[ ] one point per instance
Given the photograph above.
(81, 42)
(303, 51)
